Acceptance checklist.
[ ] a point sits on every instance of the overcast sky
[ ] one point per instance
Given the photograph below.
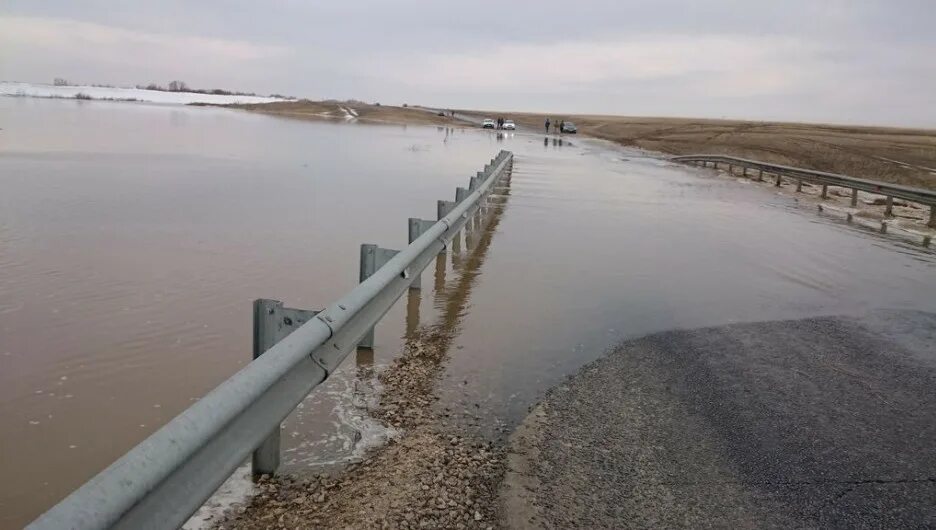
(846, 61)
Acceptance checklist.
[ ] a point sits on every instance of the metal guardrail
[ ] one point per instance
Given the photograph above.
(162, 481)
(889, 191)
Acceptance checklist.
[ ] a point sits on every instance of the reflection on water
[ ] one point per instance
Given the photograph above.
(133, 239)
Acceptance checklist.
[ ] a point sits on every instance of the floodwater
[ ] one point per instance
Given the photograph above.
(133, 239)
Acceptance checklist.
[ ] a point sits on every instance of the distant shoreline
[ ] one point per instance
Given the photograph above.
(897, 155)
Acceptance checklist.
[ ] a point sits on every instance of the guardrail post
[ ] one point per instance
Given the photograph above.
(889, 208)
(443, 208)
(372, 258)
(272, 323)
(854, 199)
(760, 175)
(825, 191)
(779, 180)
(799, 185)
(415, 228)
(744, 171)
(456, 243)
(439, 276)
(413, 298)
(932, 219)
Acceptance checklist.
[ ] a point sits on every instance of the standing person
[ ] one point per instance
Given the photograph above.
(561, 125)
(547, 125)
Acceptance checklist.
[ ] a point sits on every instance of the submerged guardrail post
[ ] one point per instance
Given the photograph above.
(890, 191)
(272, 323)
(372, 259)
(416, 228)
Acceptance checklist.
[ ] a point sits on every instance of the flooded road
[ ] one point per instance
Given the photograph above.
(599, 245)
(133, 239)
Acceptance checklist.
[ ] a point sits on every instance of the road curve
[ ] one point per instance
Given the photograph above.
(825, 422)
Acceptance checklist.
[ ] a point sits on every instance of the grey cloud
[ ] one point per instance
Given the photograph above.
(848, 51)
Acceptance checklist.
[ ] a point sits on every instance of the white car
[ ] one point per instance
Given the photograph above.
(509, 125)
(489, 124)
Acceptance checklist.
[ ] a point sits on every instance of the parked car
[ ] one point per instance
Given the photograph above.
(569, 127)
(489, 124)
(509, 125)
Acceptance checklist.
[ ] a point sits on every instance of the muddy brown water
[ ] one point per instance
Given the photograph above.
(134, 237)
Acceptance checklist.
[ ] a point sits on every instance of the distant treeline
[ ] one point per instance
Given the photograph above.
(179, 86)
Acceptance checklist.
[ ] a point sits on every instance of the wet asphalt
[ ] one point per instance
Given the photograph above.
(818, 423)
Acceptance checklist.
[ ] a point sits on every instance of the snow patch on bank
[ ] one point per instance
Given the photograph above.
(349, 113)
(124, 94)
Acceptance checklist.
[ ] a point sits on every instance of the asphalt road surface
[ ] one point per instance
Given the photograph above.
(817, 423)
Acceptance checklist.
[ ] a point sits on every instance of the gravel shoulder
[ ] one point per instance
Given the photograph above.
(823, 422)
